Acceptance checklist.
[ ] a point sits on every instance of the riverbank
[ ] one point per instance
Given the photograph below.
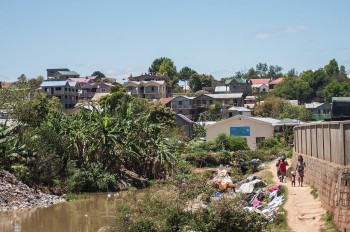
(15, 195)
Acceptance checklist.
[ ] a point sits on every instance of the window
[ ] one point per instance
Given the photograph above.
(65, 89)
(152, 89)
(58, 88)
(204, 102)
(180, 103)
(198, 102)
(180, 111)
(66, 97)
(210, 102)
(45, 89)
(103, 90)
(259, 139)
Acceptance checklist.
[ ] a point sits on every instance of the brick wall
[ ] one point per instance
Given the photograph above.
(333, 184)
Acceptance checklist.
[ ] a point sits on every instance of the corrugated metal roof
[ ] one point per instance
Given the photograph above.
(185, 118)
(225, 95)
(68, 73)
(313, 105)
(267, 120)
(239, 109)
(72, 83)
(53, 83)
(341, 99)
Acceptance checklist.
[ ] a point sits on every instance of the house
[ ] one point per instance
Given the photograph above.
(66, 91)
(51, 71)
(239, 85)
(148, 86)
(222, 89)
(8, 85)
(64, 75)
(186, 124)
(166, 101)
(249, 102)
(260, 85)
(319, 111)
(340, 108)
(237, 110)
(184, 105)
(253, 129)
(273, 83)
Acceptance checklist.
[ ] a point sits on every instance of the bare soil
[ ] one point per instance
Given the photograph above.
(303, 211)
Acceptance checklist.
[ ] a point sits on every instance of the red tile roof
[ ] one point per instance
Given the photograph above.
(165, 100)
(277, 81)
(260, 81)
(6, 84)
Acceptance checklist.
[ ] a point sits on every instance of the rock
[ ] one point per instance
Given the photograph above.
(15, 195)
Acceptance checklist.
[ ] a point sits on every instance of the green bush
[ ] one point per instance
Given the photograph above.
(269, 143)
(91, 179)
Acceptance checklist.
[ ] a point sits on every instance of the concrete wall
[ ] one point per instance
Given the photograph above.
(257, 129)
(325, 148)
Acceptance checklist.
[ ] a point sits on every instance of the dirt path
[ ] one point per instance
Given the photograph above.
(303, 211)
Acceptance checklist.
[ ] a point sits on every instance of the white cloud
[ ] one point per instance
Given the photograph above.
(295, 29)
(262, 35)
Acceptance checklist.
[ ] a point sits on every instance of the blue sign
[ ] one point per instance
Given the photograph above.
(240, 131)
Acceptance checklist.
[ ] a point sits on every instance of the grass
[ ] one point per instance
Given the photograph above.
(329, 225)
(314, 192)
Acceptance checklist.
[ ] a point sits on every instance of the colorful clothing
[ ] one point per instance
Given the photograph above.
(300, 168)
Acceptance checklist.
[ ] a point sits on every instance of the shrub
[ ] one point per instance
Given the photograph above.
(269, 143)
(91, 179)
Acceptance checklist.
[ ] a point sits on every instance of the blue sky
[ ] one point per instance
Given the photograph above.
(213, 37)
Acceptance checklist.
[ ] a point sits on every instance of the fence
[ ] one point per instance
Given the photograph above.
(329, 141)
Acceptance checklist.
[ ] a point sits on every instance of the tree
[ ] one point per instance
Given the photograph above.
(332, 68)
(185, 73)
(154, 68)
(98, 74)
(261, 69)
(295, 112)
(336, 89)
(195, 82)
(167, 68)
(342, 73)
(274, 72)
(272, 107)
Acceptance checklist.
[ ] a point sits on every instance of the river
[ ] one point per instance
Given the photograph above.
(82, 215)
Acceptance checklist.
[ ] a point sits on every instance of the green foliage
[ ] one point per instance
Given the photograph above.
(337, 89)
(91, 179)
(198, 81)
(269, 143)
(164, 209)
(98, 74)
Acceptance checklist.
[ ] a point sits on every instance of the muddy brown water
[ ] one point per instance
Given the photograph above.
(82, 215)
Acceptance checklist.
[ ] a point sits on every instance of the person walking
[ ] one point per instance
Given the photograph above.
(283, 170)
(300, 168)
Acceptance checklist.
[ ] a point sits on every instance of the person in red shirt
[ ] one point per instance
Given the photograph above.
(283, 169)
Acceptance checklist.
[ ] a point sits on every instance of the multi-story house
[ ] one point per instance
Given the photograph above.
(148, 86)
(233, 85)
(88, 87)
(184, 105)
(273, 83)
(239, 85)
(52, 71)
(64, 75)
(260, 85)
(66, 91)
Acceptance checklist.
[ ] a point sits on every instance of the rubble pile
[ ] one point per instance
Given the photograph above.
(15, 195)
(260, 198)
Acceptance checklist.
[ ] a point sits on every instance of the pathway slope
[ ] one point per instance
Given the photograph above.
(303, 211)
